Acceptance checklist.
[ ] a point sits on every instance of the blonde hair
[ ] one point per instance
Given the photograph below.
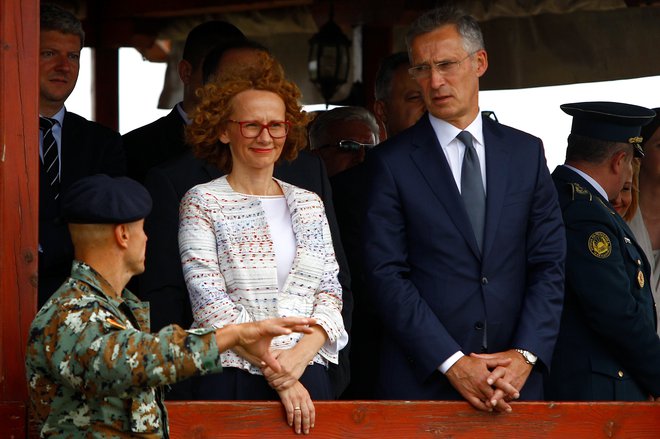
(634, 191)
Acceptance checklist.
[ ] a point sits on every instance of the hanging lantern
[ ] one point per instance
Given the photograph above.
(328, 58)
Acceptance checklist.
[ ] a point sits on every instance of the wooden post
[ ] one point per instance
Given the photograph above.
(377, 44)
(105, 85)
(19, 197)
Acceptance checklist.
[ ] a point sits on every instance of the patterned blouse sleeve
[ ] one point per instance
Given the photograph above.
(328, 299)
(200, 221)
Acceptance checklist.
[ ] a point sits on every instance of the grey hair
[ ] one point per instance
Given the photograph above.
(468, 27)
(388, 66)
(340, 114)
(54, 17)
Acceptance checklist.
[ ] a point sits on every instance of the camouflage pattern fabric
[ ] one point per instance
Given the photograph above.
(93, 368)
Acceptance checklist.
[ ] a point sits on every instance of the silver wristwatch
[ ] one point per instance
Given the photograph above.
(528, 356)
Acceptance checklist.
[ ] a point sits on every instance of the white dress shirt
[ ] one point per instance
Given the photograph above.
(454, 151)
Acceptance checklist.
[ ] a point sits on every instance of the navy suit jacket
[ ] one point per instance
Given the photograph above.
(608, 348)
(153, 144)
(87, 148)
(435, 293)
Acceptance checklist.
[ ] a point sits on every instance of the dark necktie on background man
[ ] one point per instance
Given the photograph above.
(472, 187)
(51, 156)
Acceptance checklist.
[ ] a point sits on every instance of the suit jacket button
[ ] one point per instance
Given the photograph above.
(484, 280)
(479, 326)
(620, 373)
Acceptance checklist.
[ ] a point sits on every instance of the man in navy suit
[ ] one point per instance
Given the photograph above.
(607, 348)
(464, 258)
(70, 147)
(162, 139)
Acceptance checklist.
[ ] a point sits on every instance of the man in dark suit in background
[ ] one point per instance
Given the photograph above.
(607, 348)
(464, 244)
(341, 137)
(162, 283)
(399, 103)
(162, 139)
(70, 146)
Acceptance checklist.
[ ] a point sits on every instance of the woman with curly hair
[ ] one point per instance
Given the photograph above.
(254, 247)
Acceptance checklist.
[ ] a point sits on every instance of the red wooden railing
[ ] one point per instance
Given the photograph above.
(419, 419)
(396, 419)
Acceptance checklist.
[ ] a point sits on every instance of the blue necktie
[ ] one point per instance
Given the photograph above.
(472, 187)
(51, 160)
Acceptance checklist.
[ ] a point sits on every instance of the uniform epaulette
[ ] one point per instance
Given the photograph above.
(579, 193)
(607, 207)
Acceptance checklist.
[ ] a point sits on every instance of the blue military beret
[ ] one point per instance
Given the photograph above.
(101, 199)
(610, 121)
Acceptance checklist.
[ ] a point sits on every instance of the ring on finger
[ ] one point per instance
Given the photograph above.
(296, 408)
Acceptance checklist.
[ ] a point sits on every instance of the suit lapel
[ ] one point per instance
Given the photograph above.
(497, 168)
(429, 158)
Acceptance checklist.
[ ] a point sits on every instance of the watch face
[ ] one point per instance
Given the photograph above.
(528, 356)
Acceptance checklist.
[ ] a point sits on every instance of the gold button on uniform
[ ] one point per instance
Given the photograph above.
(620, 373)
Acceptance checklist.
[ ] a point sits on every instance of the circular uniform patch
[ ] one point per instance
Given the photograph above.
(600, 245)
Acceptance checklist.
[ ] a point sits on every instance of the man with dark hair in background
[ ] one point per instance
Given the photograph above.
(70, 146)
(399, 103)
(162, 139)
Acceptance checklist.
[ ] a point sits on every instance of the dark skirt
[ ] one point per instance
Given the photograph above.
(237, 384)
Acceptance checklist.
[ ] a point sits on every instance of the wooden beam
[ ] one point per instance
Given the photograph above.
(19, 188)
(418, 419)
(177, 8)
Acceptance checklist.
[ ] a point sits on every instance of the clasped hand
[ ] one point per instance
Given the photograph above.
(489, 381)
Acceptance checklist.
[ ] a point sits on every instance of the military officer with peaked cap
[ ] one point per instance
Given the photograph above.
(607, 348)
(93, 369)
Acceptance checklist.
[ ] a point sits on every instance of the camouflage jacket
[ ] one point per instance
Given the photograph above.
(93, 368)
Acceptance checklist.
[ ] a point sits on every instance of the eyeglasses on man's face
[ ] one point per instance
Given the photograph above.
(424, 71)
(251, 129)
(351, 145)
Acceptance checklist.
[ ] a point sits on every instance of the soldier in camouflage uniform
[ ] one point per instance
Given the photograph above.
(607, 348)
(93, 368)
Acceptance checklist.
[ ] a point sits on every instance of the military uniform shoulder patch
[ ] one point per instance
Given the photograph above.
(600, 245)
(578, 192)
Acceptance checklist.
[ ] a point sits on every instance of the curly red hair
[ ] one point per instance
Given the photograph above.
(212, 114)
